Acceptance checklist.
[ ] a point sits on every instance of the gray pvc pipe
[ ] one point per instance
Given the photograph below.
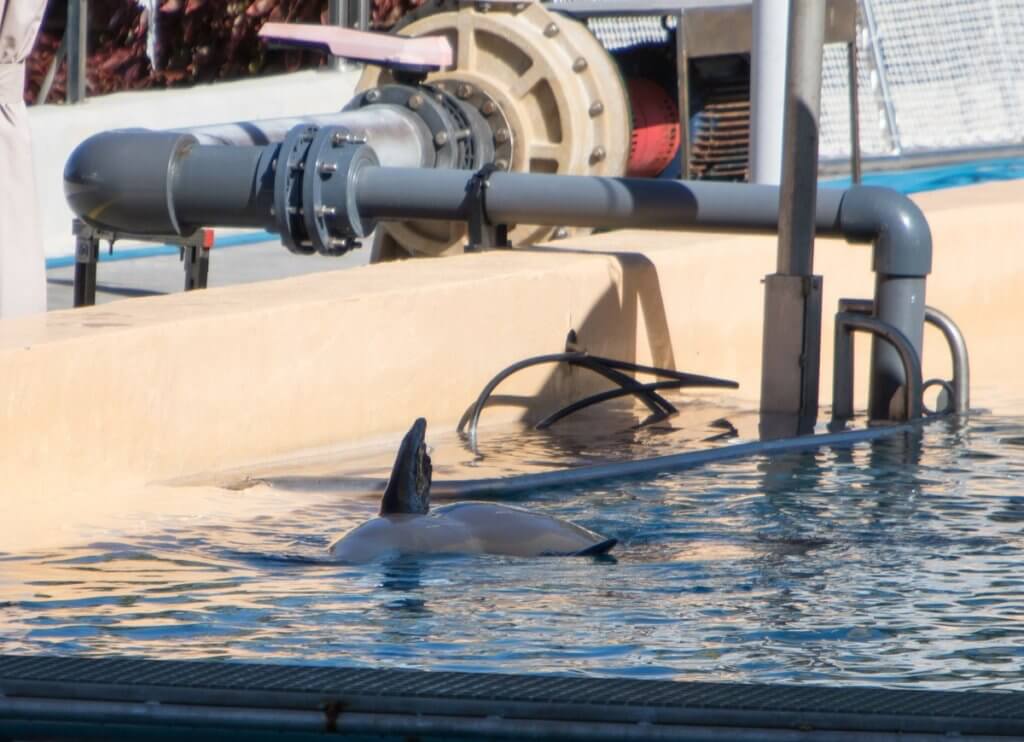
(585, 201)
(900, 302)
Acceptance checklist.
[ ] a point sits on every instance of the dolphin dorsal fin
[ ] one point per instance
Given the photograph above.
(408, 489)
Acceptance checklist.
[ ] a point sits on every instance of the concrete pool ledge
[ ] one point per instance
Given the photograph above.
(159, 388)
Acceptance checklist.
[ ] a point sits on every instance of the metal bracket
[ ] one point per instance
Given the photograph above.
(482, 234)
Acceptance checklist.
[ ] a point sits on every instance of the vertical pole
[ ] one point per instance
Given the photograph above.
(337, 15)
(77, 35)
(851, 65)
(683, 92)
(364, 15)
(792, 320)
(799, 184)
(767, 89)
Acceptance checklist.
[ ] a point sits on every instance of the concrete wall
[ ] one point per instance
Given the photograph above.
(58, 129)
(97, 403)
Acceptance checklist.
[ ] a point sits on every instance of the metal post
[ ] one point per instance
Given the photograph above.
(77, 34)
(337, 15)
(767, 89)
(792, 320)
(364, 15)
(683, 95)
(851, 65)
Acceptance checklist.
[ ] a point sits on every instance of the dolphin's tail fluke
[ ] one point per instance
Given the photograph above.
(599, 549)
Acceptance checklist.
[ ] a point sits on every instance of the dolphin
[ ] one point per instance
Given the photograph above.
(406, 524)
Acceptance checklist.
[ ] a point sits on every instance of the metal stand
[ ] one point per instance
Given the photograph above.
(194, 252)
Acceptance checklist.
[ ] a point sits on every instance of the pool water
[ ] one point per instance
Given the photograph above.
(919, 180)
(895, 563)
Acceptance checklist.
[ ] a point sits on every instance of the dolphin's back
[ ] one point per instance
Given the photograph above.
(501, 529)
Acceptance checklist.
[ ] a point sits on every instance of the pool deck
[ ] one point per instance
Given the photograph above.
(83, 698)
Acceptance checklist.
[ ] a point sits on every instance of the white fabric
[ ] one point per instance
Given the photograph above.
(22, 261)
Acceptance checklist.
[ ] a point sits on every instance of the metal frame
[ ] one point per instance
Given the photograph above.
(842, 379)
(194, 250)
(960, 385)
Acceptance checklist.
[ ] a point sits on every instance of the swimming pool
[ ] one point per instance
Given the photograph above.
(894, 563)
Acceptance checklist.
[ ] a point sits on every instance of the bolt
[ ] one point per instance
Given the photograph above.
(464, 90)
(561, 233)
(488, 108)
(501, 164)
(551, 30)
(441, 138)
(501, 135)
(372, 96)
(328, 167)
(322, 211)
(273, 165)
(579, 64)
(415, 102)
(597, 155)
(339, 138)
(596, 108)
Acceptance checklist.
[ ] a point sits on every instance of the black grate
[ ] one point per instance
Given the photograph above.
(523, 696)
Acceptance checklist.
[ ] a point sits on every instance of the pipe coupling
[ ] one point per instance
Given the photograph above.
(315, 174)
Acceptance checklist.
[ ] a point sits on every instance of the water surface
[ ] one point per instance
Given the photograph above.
(895, 563)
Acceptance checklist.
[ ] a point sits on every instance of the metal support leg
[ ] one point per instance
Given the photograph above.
(197, 265)
(87, 255)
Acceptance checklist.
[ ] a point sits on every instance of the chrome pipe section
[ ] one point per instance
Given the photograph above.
(397, 135)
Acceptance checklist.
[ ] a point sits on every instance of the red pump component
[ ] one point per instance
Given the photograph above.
(655, 129)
